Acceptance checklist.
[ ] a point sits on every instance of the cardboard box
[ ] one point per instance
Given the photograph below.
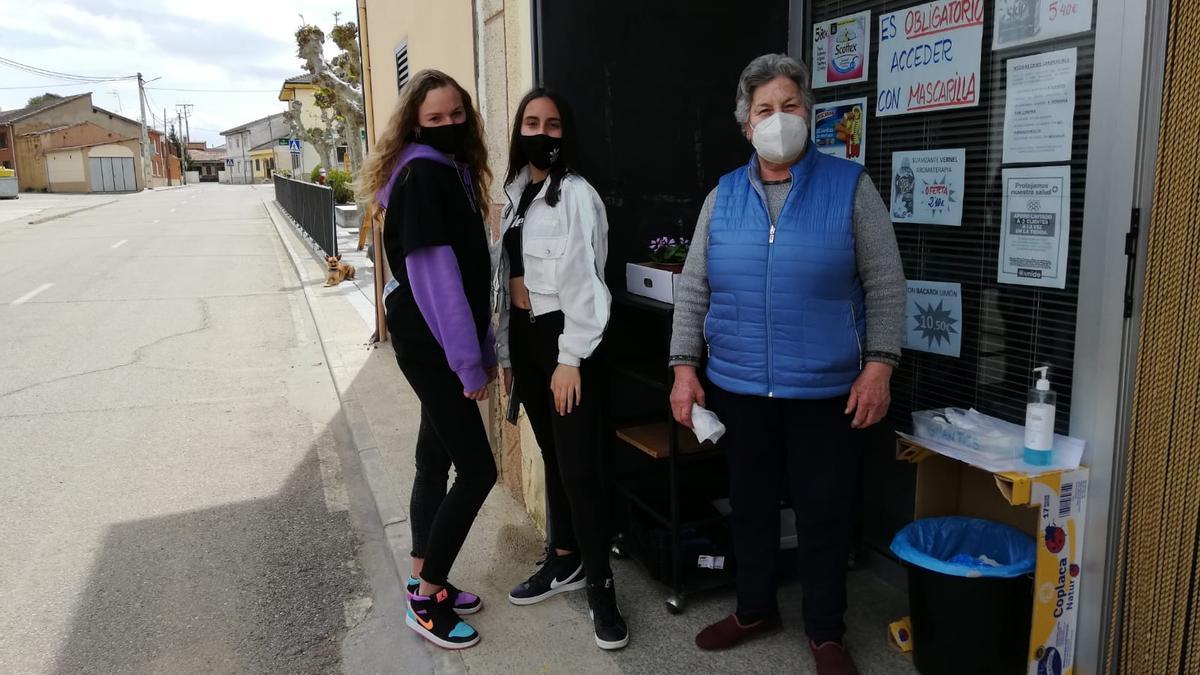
(1050, 506)
(651, 282)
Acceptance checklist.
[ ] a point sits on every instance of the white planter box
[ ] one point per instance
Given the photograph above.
(651, 282)
(347, 216)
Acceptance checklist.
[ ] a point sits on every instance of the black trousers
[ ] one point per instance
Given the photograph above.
(570, 444)
(451, 433)
(806, 450)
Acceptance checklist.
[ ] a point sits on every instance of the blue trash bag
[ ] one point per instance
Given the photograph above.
(966, 547)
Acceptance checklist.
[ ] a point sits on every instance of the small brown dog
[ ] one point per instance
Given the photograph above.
(337, 271)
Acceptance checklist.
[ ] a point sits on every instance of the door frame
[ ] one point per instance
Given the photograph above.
(1126, 101)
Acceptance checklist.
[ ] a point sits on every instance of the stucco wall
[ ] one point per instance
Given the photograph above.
(66, 170)
(440, 35)
(111, 150)
(85, 125)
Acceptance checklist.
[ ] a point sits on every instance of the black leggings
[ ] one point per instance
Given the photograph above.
(451, 432)
(570, 444)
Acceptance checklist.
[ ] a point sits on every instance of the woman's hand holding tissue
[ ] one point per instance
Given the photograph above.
(687, 390)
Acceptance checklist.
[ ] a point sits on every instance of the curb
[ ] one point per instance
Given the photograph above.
(47, 219)
(391, 509)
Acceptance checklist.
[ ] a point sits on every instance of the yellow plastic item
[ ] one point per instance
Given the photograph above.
(900, 633)
(7, 173)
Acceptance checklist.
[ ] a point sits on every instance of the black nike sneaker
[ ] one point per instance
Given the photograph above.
(433, 618)
(611, 631)
(556, 574)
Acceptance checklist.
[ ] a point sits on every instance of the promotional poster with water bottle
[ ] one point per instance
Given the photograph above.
(928, 186)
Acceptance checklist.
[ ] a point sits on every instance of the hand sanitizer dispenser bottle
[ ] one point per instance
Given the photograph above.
(1039, 421)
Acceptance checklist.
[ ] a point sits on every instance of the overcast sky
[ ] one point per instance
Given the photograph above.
(242, 45)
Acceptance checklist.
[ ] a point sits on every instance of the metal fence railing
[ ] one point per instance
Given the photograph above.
(311, 207)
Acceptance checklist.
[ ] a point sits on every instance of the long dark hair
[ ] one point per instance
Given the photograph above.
(568, 153)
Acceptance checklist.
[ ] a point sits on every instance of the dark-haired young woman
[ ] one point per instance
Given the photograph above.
(553, 310)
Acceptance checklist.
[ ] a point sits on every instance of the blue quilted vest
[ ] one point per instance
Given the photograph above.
(786, 317)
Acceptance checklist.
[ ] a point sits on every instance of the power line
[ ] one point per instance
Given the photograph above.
(57, 75)
(219, 91)
(58, 85)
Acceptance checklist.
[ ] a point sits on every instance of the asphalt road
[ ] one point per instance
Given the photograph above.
(171, 491)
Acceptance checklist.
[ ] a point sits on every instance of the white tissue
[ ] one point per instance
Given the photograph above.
(706, 425)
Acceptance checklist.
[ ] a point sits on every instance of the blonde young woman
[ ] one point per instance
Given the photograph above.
(429, 171)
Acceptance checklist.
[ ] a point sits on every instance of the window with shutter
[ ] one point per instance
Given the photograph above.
(1006, 330)
(402, 64)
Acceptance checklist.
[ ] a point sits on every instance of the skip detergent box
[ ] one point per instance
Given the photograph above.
(1050, 506)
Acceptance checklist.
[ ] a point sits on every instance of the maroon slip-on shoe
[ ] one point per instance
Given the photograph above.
(729, 632)
(832, 658)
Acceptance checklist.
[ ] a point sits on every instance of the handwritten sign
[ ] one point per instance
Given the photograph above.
(929, 57)
(840, 50)
(1021, 22)
(928, 186)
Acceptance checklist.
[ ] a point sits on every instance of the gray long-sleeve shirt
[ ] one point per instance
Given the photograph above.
(879, 269)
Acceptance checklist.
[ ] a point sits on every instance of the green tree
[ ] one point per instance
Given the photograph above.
(44, 98)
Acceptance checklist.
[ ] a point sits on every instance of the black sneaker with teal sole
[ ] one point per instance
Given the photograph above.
(611, 631)
(556, 574)
(464, 603)
(433, 618)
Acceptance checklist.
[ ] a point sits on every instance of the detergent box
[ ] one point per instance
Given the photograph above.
(1050, 506)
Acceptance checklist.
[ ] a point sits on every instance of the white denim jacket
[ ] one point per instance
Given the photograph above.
(565, 247)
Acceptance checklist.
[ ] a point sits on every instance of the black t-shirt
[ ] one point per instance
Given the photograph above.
(430, 206)
(512, 236)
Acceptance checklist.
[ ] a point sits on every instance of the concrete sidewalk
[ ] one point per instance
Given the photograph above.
(555, 636)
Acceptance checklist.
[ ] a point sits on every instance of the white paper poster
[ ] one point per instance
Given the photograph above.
(928, 186)
(1039, 111)
(929, 57)
(933, 317)
(839, 128)
(841, 48)
(1036, 226)
(1021, 22)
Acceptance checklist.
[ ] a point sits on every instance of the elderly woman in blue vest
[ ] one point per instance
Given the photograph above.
(794, 281)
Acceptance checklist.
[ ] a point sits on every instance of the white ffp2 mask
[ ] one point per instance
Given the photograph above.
(781, 137)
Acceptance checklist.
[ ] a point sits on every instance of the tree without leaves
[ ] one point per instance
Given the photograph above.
(338, 81)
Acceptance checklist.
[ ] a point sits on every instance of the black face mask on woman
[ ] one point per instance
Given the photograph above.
(540, 150)
(448, 139)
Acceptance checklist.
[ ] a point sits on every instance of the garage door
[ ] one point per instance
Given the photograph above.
(113, 174)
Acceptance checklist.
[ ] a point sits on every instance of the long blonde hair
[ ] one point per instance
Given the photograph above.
(402, 127)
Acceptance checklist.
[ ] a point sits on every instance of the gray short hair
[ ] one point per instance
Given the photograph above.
(764, 69)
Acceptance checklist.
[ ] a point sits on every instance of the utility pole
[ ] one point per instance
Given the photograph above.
(185, 128)
(145, 139)
(182, 150)
(166, 165)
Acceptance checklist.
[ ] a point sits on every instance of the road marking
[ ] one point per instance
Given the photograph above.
(30, 295)
(119, 244)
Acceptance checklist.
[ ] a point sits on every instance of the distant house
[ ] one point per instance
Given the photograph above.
(208, 162)
(164, 161)
(300, 88)
(70, 145)
(241, 141)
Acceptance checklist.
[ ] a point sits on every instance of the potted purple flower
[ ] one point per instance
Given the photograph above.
(656, 279)
(669, 254)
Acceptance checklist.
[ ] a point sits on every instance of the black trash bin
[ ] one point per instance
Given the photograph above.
(970, 594)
